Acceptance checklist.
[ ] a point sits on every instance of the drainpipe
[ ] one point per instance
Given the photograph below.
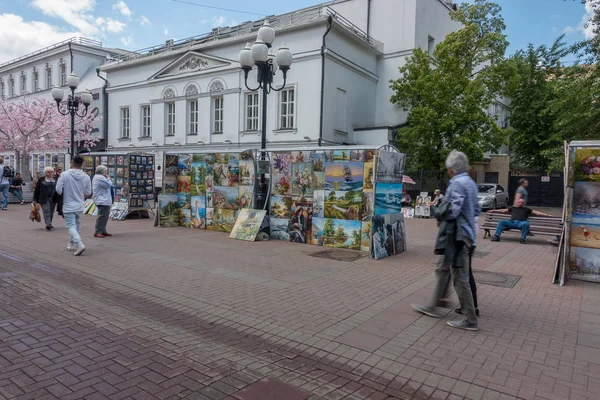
(104, 109)
(323, 48)
(368, 17)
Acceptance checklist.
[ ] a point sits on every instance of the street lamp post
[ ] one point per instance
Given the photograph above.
(73, 103)
(267, 64)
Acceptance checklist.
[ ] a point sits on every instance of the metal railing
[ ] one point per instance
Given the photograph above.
(277, 22)
(76, 39)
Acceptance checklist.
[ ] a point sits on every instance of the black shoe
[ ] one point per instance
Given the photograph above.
(459, 311)
(443, 304)
(530, 234)
(48, 227)
(522, 241)
(495, 238)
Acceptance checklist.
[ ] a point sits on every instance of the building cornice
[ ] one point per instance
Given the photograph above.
(330, 54)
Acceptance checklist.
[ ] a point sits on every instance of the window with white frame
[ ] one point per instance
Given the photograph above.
(63, 74)
(1, 89)
(252, 107)
(217, 115)
(170, 109)
(193, 117)
(125, 123)
(287, 108)
(11, 87)
(23, 84)
(36, 81)
(145, 121)
(48, 78)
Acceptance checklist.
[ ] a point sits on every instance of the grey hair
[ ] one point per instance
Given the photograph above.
(457, 161)
(48, 169)
(101, 169)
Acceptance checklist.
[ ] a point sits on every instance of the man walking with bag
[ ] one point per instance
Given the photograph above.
(74, 185)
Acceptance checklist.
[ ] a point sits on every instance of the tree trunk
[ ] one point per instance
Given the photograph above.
(23, 168)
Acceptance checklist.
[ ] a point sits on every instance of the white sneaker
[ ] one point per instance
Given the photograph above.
(71, 247)
(80, 249)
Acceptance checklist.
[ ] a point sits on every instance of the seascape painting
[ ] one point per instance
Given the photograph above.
(347, 176)
(183, 200)
(388, 198)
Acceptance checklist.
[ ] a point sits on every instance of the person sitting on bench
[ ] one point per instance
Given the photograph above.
(518, 220)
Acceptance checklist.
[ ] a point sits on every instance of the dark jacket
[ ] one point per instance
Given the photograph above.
(450, 240)
(40, 193)
(17, 182)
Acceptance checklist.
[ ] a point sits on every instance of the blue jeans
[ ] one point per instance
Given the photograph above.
(4, 187)
(73, 224)
(523, 226)
(19, 194)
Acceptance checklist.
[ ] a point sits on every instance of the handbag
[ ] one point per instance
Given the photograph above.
(34, 214)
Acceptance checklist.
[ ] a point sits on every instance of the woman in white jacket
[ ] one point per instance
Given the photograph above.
(102, 194)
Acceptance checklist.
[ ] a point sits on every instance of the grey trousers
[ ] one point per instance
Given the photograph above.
(102, 219)
(48, 211)
(460, 279)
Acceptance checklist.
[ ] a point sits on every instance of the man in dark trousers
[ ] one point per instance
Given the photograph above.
(518, 220)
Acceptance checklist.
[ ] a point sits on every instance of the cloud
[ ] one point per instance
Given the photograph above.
(585, 26)
(122, 8)
(144, 21)
(221, 21)
(166, 32)
(127, 41)
(75, 13)
(20, 37)
(114, 25)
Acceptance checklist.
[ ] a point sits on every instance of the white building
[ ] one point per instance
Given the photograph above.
(192, 92)
(35, 74)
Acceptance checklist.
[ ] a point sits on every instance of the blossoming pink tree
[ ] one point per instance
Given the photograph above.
(34, 124)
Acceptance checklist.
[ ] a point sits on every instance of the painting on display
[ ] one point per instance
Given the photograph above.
(197, 177)
(223, 220)
(184, 164)
(198, 212)
(365, 241)
(368, 176)
(586, 166)
(408, 212)
(388, 198)
(279, 229)
(245, 196)
(225, 197)
(301, 157)
(183, 200)
(185, 218)
(341, 155)
(390, 166)
(281, 207)
(247, 224)
(585, 231)
(281, 185)
(183, 184)
(246, 171)
(319, 203)
(302, 179)
(586, 198)
(209, 183)
(388, 235)
(225, 174)
(300, 225)
(337, 233)
(319, 162)
(584, 264)
(343, 190)
(281, 164)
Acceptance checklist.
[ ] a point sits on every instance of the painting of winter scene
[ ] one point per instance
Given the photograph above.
(390, 166)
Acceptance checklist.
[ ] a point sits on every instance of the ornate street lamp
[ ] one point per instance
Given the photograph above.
(267, 64)
(73, 103)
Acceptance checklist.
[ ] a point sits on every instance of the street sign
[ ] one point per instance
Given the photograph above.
(545, 179)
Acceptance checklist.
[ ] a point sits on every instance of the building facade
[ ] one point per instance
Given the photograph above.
(34, 75)
(192, 92)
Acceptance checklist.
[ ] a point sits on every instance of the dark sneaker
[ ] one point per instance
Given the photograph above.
(530, 234)
(462, 324)
(426, 310)
(48, 227)
(443, 304)
(459, 311)
(522, 241)
(107, 234)
(495, 238)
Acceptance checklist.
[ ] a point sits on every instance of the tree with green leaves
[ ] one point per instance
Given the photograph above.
(448, 93)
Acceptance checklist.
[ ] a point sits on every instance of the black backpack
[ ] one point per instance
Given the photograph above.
(9, 172)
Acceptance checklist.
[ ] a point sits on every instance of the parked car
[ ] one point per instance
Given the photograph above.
(492, 196)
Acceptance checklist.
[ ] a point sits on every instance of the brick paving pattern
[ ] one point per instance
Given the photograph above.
(155, 313)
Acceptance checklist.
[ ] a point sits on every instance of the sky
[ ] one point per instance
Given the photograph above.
(29, 25)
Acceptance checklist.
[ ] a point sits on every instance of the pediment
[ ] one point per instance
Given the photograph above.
(192, 62)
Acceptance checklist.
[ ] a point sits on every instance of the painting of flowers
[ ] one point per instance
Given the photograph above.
(587, 165)
(282, 185)
(302, 179)
(281, 164)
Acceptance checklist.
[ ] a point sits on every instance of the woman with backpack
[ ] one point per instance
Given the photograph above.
(45, 195)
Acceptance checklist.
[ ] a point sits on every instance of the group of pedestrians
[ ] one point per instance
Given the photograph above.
(66, 193)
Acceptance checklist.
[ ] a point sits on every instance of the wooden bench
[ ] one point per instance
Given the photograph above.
(548, 226)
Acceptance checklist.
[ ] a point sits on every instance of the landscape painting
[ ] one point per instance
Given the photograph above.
(336, 233)
(279, 229)
(586, 166)
(170, 185)
(185, 218)
(365, 240)
(302, 179)
(318, 180)
(168, 211)
(183, 200)
(586, 198)
(343, 205)
(281, 164)
(247, 225)
(223, 220)
(281, 207)
(183, 184)
(341, 155)
(198, 204)
(170, 167)
(184, 164)
(197, 178)
(390, 166)
(388, 198)
(226, 197)
(246, 171)
(585, 264)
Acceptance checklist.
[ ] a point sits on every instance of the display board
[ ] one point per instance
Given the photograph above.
(208, 188)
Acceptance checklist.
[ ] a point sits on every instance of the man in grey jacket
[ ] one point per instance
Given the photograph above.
(462, 209)
(75, 186)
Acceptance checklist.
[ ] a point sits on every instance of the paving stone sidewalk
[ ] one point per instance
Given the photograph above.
(155, 313)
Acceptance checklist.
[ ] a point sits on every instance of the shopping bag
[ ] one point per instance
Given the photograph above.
(34, 214)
